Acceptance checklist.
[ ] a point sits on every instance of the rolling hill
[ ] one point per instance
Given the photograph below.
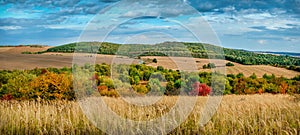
(181, 49)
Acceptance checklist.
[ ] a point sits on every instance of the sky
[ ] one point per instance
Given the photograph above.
(259, 25)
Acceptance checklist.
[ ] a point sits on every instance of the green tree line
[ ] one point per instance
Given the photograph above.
(53, 83)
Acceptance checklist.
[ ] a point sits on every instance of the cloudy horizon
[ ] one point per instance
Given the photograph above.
(247, 24)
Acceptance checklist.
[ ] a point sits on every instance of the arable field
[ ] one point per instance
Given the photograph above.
(247, 70)
(11, 61)
(237, 114)
(20, 49)
(11, 58)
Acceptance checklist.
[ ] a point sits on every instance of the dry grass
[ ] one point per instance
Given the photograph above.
(237, 114)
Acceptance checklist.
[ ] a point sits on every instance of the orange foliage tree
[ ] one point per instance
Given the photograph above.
(52, 86)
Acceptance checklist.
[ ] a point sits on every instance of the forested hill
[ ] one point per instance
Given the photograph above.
(198, 50)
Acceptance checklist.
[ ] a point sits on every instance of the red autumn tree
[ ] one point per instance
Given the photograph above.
(200, 89)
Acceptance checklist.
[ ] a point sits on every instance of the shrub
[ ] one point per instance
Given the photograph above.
(160, 68)
(229, 64)
(104, 91)
(26, 52)
(140, 89)
(209, 66)
(154, 60)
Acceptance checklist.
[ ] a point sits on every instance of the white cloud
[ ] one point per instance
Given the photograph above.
(63, 26)
(257, 16)
(262, 41)
(292, 39)
(10, 27)
(131, 14)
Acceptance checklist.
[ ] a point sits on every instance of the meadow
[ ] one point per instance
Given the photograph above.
(237, 114)
(36, 99)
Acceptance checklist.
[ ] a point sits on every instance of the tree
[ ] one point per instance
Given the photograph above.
(18, 87)
(154, 60)
(209, 65)
(200, 89)
(283, 87)
(133, 72)
(239, 85)
(140, 89)
(191, 80)
(160, 68)
(155, 86)
(169, 76)
(52, 86)
(271, 88)
(240, 75)
(229, 64)
(146, 75)
(253, 76)
(136, 80)
(170, 89)
(228, 87)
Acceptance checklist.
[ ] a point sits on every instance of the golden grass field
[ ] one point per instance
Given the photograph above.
(237, 114)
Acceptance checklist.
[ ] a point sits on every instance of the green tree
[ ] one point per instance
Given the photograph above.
(136, 80)
(171, 90)
(154, 60)
(253, 76)
(229, 64)
(155, 86)
(18, 86)
(240, 75)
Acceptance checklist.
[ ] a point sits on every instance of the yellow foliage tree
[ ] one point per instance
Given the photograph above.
(52, 86)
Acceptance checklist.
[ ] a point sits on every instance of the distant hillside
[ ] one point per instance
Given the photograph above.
(32, 45)
(292, 54)
(182, 49)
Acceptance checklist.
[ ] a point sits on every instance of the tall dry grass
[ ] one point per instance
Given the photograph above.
(237, 114)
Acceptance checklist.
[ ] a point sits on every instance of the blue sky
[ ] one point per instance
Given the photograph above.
(246, 24)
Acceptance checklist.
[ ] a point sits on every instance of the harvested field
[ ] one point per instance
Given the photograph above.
(247, 70)
(5, 49)
(10, 59)
(19, 50)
